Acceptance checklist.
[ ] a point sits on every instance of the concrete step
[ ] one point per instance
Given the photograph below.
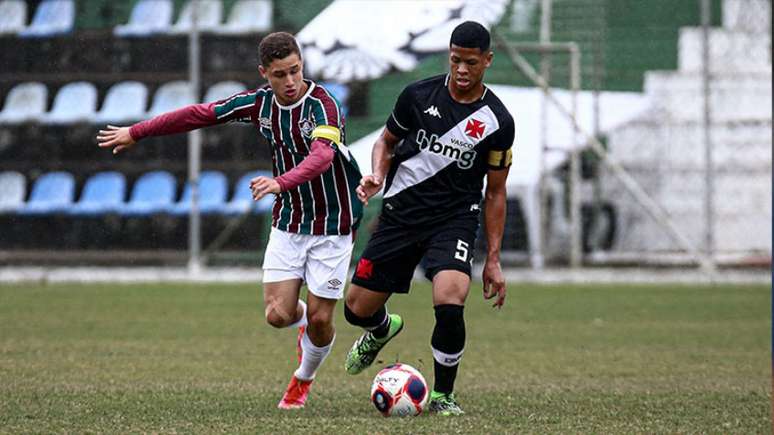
(679, 96)
(731, 51)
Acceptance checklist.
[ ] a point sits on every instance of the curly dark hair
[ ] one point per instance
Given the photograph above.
(277, 45)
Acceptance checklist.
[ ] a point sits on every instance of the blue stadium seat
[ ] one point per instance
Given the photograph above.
(103, 193)
(25, 102)
(153, 193)
(53, 17)
(13, 16)
(13, 189)
(52, 193)
(213, 189)
(242, 201)
(124, 102)
(147, 17)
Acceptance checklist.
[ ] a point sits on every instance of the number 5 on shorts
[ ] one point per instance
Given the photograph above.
(462, 251)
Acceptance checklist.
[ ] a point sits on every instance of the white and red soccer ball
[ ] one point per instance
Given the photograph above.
(399, 390)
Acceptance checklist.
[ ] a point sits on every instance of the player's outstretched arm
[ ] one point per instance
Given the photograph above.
(494, 223)
(117, 138)
(381, 156)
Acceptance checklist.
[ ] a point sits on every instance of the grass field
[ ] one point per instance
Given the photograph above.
(557, 359)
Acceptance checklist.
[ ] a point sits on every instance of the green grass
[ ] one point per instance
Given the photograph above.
(556, 359)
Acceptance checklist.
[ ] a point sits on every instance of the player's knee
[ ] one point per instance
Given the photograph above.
(276, 315)
(362, 319)
(320, 319)
(276, 320)
(350, 315)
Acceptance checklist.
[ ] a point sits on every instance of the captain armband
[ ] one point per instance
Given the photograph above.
(333, 134)
(500, 159)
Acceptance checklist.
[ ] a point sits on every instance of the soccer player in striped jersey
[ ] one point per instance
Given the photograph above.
(316, 209)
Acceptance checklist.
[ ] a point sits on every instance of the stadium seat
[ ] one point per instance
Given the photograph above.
(213, 189)
(147, 17)
(209, 16)
(74, 102)
(153, 193)
(25, 102)
(52, 193)
(248, 16)
(172, 96)
(242, 201)
(13, 16)
(13, 189)
(223, 90)
(103, 193)
(124, 102)
(53, 17)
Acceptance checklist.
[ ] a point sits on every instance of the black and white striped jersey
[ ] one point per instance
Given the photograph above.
(437, 171)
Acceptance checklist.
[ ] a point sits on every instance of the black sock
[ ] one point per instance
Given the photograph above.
(383, 328)
(444, 378)
(448, 343)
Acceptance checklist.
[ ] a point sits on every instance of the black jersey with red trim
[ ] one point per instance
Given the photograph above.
(437, 171)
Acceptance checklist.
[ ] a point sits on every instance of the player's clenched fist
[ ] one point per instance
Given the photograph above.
(370, 185)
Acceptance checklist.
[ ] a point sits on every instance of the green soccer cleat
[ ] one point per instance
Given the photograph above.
(365, 349)
(444, 404)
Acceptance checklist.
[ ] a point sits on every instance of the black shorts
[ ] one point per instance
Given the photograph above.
(393, 252)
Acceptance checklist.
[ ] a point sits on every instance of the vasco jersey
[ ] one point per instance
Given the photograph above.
(326, 205)
(437, 171)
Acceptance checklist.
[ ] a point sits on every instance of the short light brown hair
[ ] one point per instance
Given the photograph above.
(278, 45)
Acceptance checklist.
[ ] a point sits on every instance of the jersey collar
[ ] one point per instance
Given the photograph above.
(310, 87)
(446, 85)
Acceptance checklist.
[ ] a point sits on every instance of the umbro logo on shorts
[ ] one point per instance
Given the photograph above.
(333, 284)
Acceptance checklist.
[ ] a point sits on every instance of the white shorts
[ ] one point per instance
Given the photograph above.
(321, 261)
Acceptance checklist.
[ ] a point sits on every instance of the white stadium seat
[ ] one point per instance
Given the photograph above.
(248, 16)
(147, 17)
(208, 17)
(53, 17)
(25, 102)
(222, 90)
(13, 16)
(124, 102)
(74, 102)
(172, 96)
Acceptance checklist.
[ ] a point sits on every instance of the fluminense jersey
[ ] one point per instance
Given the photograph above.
(326, 205)
(437, 171)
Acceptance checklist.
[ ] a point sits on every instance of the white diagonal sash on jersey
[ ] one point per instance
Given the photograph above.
(425, 164)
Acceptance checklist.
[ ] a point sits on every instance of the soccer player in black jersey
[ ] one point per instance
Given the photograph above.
(445, 135)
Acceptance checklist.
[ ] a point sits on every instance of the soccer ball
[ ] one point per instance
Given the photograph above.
(399, 390)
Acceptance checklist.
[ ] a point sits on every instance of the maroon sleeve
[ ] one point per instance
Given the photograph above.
(317, 162)
(177, 121)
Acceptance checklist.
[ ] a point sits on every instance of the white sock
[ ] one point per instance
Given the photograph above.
(302, 321)
(312, 358)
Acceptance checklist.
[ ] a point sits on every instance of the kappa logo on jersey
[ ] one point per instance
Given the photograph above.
(475, 128)
(307, 127)
(460, 151)
(433, 111)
